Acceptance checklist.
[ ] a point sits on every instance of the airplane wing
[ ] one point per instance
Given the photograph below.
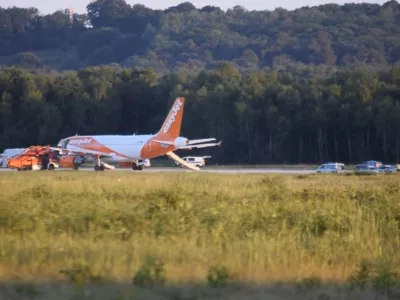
(176, 158)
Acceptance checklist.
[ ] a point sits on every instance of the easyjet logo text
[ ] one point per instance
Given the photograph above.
(171, 119)
(80, 142)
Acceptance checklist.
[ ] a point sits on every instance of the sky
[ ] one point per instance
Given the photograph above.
(79, 6)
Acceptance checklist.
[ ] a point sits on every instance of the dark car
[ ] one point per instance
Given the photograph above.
(369, 164)
(387, 169)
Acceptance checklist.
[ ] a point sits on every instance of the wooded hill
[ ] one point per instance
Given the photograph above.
(305, 86)
(184, 36)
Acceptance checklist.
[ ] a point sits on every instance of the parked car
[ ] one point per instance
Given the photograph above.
(369, 163)
(330, 168)
(367, 169)
(387, 169)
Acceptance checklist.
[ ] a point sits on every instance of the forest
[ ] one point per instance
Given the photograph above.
(184, 36)
(305, 86)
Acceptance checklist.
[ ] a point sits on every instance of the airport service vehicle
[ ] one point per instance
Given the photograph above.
(34, 158)
(133, 148)
(197, 161)
(7, 154)
(330, 168)
(43, 158)
(145, 163)
(369, 163)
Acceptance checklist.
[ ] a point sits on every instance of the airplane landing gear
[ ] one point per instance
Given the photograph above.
(101, 166)
(136, 166)
(98, 166)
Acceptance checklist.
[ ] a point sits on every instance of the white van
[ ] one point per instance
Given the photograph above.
(331, 168)
(7, 154)
(197, 161)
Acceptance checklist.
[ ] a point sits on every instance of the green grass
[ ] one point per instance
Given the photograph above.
(190, 233)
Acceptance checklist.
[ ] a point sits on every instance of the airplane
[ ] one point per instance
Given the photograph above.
(132, 149)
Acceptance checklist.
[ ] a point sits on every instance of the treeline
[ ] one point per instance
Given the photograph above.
(186, 37)
(261, 117)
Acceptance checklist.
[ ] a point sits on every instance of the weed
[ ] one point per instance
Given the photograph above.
(385, 279)
(379, 277)
(218, 276)
(303, 176)
(81, 274)
(312, 282)
(362, 276)
(150, 273)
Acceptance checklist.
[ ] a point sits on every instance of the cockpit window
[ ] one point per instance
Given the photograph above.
(63, 143)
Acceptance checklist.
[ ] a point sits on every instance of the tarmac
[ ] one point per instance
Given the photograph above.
(205, 170)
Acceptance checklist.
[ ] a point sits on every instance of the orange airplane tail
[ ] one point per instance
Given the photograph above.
(171, 128)
(167, 138)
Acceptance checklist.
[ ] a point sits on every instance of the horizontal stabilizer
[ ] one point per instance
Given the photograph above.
(200, 146)
(191, 142)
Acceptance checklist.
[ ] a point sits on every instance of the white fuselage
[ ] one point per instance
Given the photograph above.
(116, 148)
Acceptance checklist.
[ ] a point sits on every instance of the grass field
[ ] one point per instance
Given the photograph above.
(150, 236)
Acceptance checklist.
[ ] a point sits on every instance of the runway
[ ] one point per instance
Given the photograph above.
(234, 170)
(205, 170)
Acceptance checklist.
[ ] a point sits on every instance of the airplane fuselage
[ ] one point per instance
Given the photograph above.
(118, 148)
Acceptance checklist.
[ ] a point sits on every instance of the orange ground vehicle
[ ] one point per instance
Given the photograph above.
(34, 158)
(44, 158)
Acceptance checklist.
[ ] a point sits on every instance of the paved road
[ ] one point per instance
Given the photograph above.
(206, 170)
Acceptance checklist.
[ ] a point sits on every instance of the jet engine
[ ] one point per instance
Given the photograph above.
(67, 161)
(180, 142)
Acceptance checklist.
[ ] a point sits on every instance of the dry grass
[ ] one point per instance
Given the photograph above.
(309, 231)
